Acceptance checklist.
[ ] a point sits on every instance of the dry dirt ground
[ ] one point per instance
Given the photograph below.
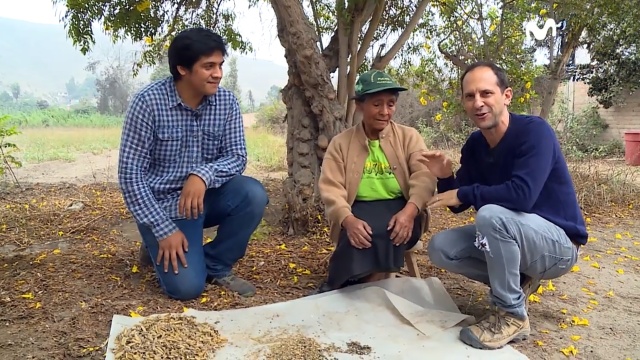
(68, 263)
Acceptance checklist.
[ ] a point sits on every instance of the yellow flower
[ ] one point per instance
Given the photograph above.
(527, 85)
(438, 117)
(543, 12)
(492, 27)
(143, 5)
(148, 40)
(423, 101)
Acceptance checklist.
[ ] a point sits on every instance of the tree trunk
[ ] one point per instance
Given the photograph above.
(557, 69)
(314, 114)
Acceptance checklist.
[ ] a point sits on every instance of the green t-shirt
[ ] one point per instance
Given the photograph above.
(378, 180)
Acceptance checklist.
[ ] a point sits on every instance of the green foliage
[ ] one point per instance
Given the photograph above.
(614, 71)
(7, 147)
(153, 22)
(580, 134)
(467, 32)
(230, 78)
(56, 117)
(272, 116)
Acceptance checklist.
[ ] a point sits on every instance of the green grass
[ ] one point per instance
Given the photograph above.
(60, 134)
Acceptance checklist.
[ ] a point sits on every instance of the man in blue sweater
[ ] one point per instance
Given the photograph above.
(528, 225)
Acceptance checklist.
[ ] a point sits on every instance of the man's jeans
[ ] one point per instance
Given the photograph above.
(237, 208)
(516, 243)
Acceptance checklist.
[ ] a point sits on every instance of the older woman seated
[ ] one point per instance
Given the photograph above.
(374, 188)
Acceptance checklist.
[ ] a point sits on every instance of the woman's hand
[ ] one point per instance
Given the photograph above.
(402, 224)
(358, 232)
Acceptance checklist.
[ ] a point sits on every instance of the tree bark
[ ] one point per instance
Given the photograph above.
(314, 114)
(557, 70)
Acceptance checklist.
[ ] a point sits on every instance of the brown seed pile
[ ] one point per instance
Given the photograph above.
(297, 347)
(168, 337)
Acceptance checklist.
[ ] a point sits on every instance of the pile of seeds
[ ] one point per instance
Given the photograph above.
(168, 337)
(301, 347)
(297, 347)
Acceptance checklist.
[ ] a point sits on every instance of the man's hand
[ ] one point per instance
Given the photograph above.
(402, 224)
(449, 198)
(171, 249)
(358, 232)
(191, 204)
(438, 163)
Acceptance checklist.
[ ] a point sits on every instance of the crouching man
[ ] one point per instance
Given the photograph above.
(528, 224)
(182, 156)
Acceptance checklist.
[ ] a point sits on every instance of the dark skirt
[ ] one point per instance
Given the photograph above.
(348, 265)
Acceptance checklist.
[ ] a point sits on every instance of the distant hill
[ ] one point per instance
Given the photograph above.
(42, 59)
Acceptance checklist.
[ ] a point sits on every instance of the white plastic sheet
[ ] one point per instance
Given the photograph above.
(403, 318)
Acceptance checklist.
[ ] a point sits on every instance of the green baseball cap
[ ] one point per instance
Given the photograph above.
(374, 81)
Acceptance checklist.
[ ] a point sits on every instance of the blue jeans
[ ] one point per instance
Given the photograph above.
(516, 243)
(237, 208)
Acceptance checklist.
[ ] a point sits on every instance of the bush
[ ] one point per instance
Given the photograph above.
(580, 134)
(271, 116)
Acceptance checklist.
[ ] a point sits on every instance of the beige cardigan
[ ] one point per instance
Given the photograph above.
(344, 162)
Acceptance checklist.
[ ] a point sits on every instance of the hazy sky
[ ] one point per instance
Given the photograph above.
(263, 37)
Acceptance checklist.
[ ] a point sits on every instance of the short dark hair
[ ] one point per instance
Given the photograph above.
(189, 45)
(503, 81)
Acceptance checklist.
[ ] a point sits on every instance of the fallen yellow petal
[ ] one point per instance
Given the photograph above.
(563, 326)
(575, 268)
(563, 297)
(618, 236)
(620, 271)
(539, 343)
(133, 314)
(595, 265)
(545, 331)
(134, 269)
(534, 298)
(579, 321)
(594, 302)
(570, 350)
(587, 258)
(27, 296)
(575, 337)
(57, 251)
(292, 265)
(610, 293)
(550, 286)
(564, 311)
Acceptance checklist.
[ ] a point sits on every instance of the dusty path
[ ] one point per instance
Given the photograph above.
(90, 168)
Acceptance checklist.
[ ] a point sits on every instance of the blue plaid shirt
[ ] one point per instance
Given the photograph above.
(164, 141)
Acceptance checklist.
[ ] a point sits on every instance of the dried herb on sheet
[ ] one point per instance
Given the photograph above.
(168, 337)
(297, 347)
(301, 347)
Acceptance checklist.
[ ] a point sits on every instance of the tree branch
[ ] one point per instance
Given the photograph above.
(374, 23)
(456, 60)
(343, 49)
(314, 10)
(381, 62)
(353, 66)
(330, 53)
